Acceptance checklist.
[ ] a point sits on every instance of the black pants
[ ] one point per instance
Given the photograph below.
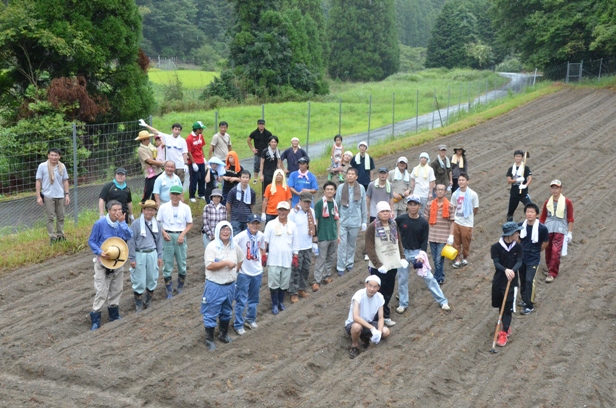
(515, 199)
(148, 187)
(197, 180)
(388, 281)
(527, 283)
(498, 292)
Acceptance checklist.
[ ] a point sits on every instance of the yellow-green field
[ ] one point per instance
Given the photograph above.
(190, 79)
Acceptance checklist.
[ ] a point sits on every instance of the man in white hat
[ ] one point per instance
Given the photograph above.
(366, 317)
(151, 167)
(423, 181)
(107, 281)
(292, 156)
(364, 165)
(385, 253)
(145, 254)
(400, 180)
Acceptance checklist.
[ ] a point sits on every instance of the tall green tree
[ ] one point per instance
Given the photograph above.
(415, 19)
(363, 40)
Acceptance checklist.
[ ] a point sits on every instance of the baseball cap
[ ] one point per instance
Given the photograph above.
(303, 160)
(555, 182)
(403, 160)
(176, 190)
(383, 170)
(413, 199)
(120, 170)
(198, 125)
(442, 147)
(261, 122)
(253, 218)
(283, 204)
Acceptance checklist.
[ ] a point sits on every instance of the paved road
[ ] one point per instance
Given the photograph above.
(25, 213)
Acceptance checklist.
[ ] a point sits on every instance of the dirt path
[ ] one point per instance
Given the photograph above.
(560, 356)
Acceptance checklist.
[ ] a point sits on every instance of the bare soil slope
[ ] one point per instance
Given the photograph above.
(559, 356)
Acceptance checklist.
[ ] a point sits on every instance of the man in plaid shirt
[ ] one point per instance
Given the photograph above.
(213, 213)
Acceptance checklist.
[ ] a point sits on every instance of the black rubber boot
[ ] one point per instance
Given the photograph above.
(96, 320)
(223, 328)
(148, 299)
(138, 302)
(209, 338)
(114, 313)
(169, 287)
(274, 295)
(181, 280)
(281, 294)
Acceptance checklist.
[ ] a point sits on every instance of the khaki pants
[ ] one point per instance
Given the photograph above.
(108, 286)
(462, 236)
(54, 209)
(180, 174)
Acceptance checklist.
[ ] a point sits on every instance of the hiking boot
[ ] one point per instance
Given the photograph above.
(549, 279)
(528, 310)
(400, 309)
(240, 331)
(303, 294)
(327, 280)
(353, 352)
(501, 341)
(294, 299)
(315, 287)
(456, 265)
(445, 306)
(389, 323)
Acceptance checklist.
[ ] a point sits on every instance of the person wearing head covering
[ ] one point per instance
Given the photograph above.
(442, 168)
(413, 233)
(292, 156)
(52, 193)
(176, 147)
(304, 219)
(378, 190)
(270, 162)
(365, 320)
(233, 168)
(214, 171)
(164, 182)
(400, 180)
(223, 258)
(117, 189)
(466, 202)
(213, 213)
(240, 201)
(423, 181)
(341, 168)
(302, 181)
(260, 136)
(221, 142)
(150, 166)
(252, 243)
(327, 218)
(441, 215)
(351, 201)
(145, 254)
(385, 253)
(459, 165)
(520, 177)
(176, 219)
(196, 162)
(364, 165)
(275, 193)
(107, 282)
(507, 255)
(282, 250)
(557, 216)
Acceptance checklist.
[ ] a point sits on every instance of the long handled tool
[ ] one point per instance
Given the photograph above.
(500, 317)
(526, 155)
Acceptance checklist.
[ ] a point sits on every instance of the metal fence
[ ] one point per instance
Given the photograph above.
(582, 70)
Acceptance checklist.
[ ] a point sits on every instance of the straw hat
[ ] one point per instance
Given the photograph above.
(117, 252)
(144, 134)
(149, 204)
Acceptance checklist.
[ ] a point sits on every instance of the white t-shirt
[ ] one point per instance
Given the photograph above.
(224, 275)
(368, 306)
(283, 243)
(176, 147)
(459, 203)
(422, 185)
(250, 267)
(300, 218)
(174, 218)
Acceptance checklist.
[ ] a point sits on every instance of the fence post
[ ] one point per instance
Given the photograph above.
(535, 76)
(600, 64)
(150, 119)
(448, 99)
(469, 96)
(340, 117)
(75, 175)
(417, 112)
(308, 129)
(567, 78)
(459, 99)
(580, 76)
(487, 86)
(215, 120)
(393, 114)
(369, 115)
(263, 111)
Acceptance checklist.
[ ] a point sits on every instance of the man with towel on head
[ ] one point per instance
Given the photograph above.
(557, 216)
(442, 168)
(364, 165)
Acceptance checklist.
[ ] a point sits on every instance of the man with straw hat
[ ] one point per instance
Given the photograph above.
(108, 242)
(507, 255)
(145, 254)
(151, 167)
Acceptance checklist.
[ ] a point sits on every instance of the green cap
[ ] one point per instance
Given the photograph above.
(176, 190)
(198, 125)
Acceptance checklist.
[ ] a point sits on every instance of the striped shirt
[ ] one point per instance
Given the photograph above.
(240, 211)
(439, 232)
(212, 215)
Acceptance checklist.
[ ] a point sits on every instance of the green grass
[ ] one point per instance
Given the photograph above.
(191, 80)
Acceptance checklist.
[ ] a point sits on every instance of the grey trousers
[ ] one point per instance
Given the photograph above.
(325, 260)
(346, 248)
(299, 275)
(54, 209)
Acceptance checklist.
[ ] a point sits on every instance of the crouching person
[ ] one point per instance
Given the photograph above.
(366, 320)
(222, 261)
(145, 254)
(250, 275)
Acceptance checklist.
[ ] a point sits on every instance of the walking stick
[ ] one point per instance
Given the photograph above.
(500, 316)
(525, 156)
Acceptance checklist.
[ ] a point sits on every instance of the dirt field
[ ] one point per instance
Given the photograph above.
(558, 356)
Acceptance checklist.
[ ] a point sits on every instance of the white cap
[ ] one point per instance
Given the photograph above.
(382, 206)
(373, 278)
(402, 159)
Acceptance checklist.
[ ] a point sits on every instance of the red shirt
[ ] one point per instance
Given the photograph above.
(195, 147)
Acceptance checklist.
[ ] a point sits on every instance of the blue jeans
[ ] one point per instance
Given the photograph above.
(436, 248)
(217, 302)
(403, 279)
(246, 292)
(238, 227)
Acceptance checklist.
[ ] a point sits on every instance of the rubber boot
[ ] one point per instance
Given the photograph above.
(114, 313)
(274, 295)
(169, 287)
(138, 302)
(148, 298)
(223, 328)
(96, 320)
(209, 338)
(181, 279)
(281, 294)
